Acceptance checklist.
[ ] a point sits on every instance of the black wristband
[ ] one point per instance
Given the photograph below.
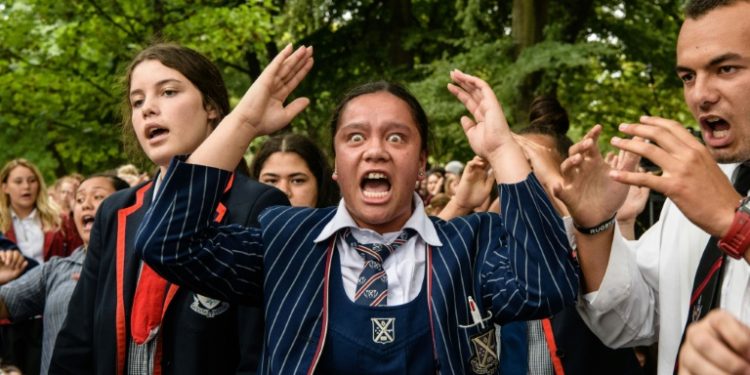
(606, 224)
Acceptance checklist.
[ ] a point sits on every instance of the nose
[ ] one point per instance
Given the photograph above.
(149, 107)
(376, 151)
(87, 203)
(704, 93)
(283, 185)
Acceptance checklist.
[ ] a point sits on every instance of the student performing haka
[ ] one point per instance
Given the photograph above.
(424, 293)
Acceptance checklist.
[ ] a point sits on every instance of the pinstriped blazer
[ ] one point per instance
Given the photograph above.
(516, 267)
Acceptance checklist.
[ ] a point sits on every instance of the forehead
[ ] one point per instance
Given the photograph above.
(21, 171)
(377, 109)
(283, 161)
(150, 72)
(718, 32)
(95, 183)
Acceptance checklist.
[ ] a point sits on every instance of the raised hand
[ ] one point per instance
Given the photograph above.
(12, 265)
(262, 106)
(688, 172)
(588, 191)
(472, 191)
(260, 111)
(488, 133)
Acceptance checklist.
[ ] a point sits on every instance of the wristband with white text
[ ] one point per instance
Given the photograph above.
(597, 228)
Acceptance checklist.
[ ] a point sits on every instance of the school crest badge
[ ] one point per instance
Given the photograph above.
(383, 330)
(485, 359)
(208, 307)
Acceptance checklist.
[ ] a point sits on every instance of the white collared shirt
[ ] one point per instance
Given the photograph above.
(405, 268)
(29, 235)
(646, 290)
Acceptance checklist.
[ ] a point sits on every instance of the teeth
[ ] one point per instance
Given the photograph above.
(713, 119)
(375, 175)
(373, 194)
(720, 133)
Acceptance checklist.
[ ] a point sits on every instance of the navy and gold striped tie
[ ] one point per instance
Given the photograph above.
(372, 284)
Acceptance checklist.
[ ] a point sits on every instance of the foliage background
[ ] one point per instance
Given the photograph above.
(608, 61)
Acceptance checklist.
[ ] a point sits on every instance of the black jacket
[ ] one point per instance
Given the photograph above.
(193, 343)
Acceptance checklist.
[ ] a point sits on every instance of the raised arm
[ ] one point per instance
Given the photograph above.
(526, 266)
(592, 198)
(177, 237)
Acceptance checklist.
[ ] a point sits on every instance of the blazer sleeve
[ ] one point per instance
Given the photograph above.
(74, 346)
(530, 272)
(180, 241)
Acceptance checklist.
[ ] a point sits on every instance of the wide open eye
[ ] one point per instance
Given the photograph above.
(395, 138)
(356, 137)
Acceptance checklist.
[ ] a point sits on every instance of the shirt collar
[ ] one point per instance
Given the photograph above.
(14, 216)
(419, 222)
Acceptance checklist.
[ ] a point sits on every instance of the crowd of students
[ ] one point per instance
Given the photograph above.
(522, 260)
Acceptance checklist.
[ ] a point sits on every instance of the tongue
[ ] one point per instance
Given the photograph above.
(720, 125)
(377, 186)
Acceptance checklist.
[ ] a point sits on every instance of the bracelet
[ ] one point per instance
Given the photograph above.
(606, 224)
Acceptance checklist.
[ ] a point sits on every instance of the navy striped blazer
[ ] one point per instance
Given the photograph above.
(518, 266)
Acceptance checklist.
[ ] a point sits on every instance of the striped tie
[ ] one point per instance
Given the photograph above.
(372, 285)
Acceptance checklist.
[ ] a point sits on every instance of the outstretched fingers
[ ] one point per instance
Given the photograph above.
(293, 69)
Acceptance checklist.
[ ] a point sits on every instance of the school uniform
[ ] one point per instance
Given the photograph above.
(61, 242)
(516, 267)
(21, 342)
(198, 335)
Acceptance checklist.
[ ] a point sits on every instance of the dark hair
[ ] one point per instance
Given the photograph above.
(198, 69)
(417, 112)
(117, 182)
(697, 8)
(548, 117)
(310, 153)
(546, 111)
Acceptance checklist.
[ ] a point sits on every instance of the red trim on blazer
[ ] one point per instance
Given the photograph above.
(120, 328)
(428, 269)
(221, 209)
(324, 323)
(552, 346)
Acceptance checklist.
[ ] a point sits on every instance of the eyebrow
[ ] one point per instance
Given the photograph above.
(729, 56)
(160, 83)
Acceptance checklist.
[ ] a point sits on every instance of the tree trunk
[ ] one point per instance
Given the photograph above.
(529, 19)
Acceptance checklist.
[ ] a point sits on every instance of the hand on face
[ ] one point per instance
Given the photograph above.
(12, 265)
(688, 172)
(588, 192)
(262, 107)
(717, 344)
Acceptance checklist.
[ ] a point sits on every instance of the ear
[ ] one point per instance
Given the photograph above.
(422, 165)
(335, 175)
(213, 114)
